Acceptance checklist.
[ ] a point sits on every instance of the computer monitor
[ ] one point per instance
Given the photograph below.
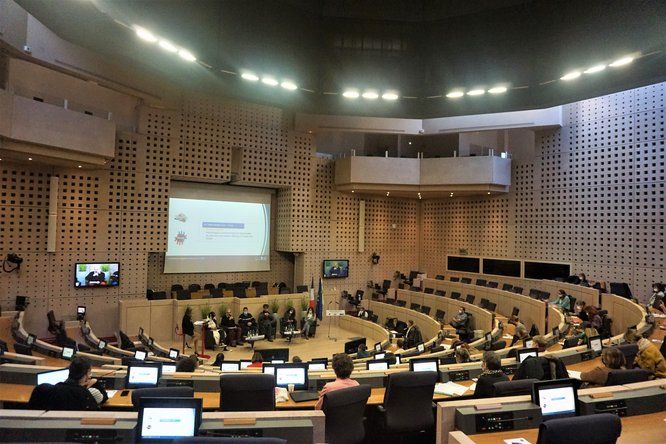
(352, 346)
(319, 360)
(230, 366)
(424, 365)
(528, 343)
(277, 361)
(378, 347)
(101, 345)
(143, 375)
(524, 353)
(268, 369)
(297, 374)
(168, 368)
(80, 312)
(316, 366)
(270, 354)
(52, 377)
(377, 365)
(140, 355)
(488, 341)
(557, 399)
(67, 353)
(174, 353)
(245, 363)
(556, 332)
(166, 419)
(30, 340)
(594, 343)
(420, 347)
(380, 355)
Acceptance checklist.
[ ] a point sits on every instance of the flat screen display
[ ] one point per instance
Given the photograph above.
(230, 366)
(277, 361)
(140, 355)
(80, 312)
(52, 377)
(168, 368)
(173, 353)
(139, 376)
(424, 365)
(317, 366)
(377, 365)
(168, 418)
(378, 347)
(556, 398)
(67, 352)
(30, 340)
(96, 274)
(501, 267)
(296, 374)
(101, 345)
(463, 263)
(380, 355)
(595, 344)
(245, 363)
(336, 268)
(527, 352)
(420, 347)
(546, 270)
(268, 369)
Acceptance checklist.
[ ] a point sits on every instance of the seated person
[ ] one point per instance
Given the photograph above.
(343, 366)
(657, 299)
(296, 360)
(266, 323)
(257, 360)
(308, 322)
(390, 324)
(413, 335)
(96, 276)
(649, 357)
(289, 320)
(541, 367)
(577, 332)
(441, 337)
(579, 310)
(583, 280)
(188, 364)
(461, 323)
(188, 329)
(594, 320)
(362, 313)
(232, 330)
(362, 351)
(212, 325)
(462, 354)
(612, 359)
(80, 391)
(492, 373)
(563, 302)
(520, 330)
(247, 322)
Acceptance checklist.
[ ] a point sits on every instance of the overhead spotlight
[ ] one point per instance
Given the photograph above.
(270, 81)
(488, 192)
(352, 191)
(595, 68)
(455, 94)
(250, 76)
(476, 92)
(571, 75)
(497, 90)
(79, 166)
(29, 158)
(621, 62)
(370, 95)
(350, 94)
(146, 35)
(186, 55)
(287, 84)
(167, 46)
(387, 193)
(390, 96)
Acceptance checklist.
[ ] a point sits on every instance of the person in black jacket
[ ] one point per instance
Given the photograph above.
(232, 330)
(246, 322)
(492, 373)
(80, 391)
(188, 328)
(413, 335)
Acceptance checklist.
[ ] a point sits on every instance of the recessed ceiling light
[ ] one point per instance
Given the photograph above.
(270, 81)
(497, 90)
(350, 94)
(571, 75)
(388, 192)
(29, 158)
(390, 96)
(455, 94)
(146, 35)
(288, 84)
(370, 95)
(621, 62)
(488, 192)
(476, 92)
(250, 76)
(186, 55)
(168, 46)
(595, 68)
(352, 190)
(79, 166)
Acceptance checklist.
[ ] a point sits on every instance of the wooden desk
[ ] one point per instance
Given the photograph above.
(644, 429)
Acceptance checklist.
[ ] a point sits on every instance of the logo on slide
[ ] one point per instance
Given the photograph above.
(180, 238)
(180, 217)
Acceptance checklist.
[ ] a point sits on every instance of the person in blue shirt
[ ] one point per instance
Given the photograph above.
(563, 301)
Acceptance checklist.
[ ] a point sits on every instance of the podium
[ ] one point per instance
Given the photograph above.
(333, 314)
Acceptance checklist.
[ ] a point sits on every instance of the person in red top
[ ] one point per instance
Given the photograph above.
(343, 367)
(257, 360)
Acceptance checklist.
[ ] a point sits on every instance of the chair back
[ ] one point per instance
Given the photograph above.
(247, 392)
(160, 392)
(602, 428)
(344, 410)
(481, 282)
(22, 349)
(40, 398)
(518, 290)
(470, 298)
(455, 295)
(629, 351)
(53, 324)
(425, 309)
(176, 287)
(209, 287)
(408, 401)
(414, 306)
(125, 342)
(514, 388)
(440, 293)
(466, 280)
(621, 377)
(429, 290)
(492, 284)
(498, 345)
(194, 287)
(439, 315)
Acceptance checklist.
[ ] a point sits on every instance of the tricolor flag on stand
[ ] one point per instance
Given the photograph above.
(320, 301)
(312, 295)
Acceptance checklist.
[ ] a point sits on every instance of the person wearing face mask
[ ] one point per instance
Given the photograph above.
(583, 280)
(246, 322)
(230, 328)
(657, 299)
(563, 302)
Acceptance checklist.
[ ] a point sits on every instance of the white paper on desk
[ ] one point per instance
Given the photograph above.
(450, 389)
(446, 346)
(111, 393)
(472, 387)
(516, 441)
(574, 374)
(659, 315)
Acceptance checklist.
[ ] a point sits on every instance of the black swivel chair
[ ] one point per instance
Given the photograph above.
(466, 280)
(176, 287)
(41, 397)
(483, 303)
(629, 351)
(481, 282)
(425, 309)
(429, 290)
(470, 298)
(455, 279)
(159, 295)
(301, 289)
(125, 342)
(160, 392)
(194, 287)
(401, 303)
(54, 325)
(602, 428)
(439, 315)
(209, 287)
(416, 307)
(621, 377)
(455, 295)
(22, 349)
(439, 277)
(440, 293)
(498, 345)
(344, 410)
(514, 388)
(518, 290)
(408, 406)
(507, 287)
(491, 306)
(492, 284)
(247, 393)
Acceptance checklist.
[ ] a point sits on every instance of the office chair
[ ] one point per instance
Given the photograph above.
(518, 290)
(160, 392)
(41, 396)
(498, 345)
(441, 293)
(239, 292)
(408, 403)
(507, 287)
(262, 288)
(629, 351)
(54, 326)
(159, 295)
(470, 298)
(183, 295)
(22, 349)
(247, 393)
(439, 277)
(491, 306)
(177, 287)
(374, 318)
(415, 307)
(621, 377)
(149, 295)
(466, 280)
(481, 282)
(344, 411)
(455, 295)
(439, 315)
(221, 285)
(492, 284)
(209, 286)
(425, 309)
(401, 303)
(301, 289)
(602, 428)
(429, 290)
(483, 303)
(514, 388)
(455, 279)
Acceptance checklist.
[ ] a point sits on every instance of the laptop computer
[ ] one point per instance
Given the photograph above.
(296, 375)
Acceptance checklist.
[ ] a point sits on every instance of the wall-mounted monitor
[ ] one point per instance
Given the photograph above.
(546, 270)
(96, 274)
(463, 263)
(335, 268)
(501, 267)
(80, 312)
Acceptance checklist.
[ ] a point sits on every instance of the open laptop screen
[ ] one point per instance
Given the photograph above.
(297, 374)
(168, 418)
(53, 377)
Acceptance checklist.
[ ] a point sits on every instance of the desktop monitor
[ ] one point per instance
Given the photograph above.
(277, 361)
(52, 377)
(245, 363)
(174, 353)
(140, 355)
(377, 365)
(143, 375)
(151, 341)
(378, 347)
(528, 343)
(67, 353)
(230, 366)
(594, 343)
(447, 360)
(524, 353)
(269, 354)
(167, 419)
(557, 399)
(316, 366)
(352, 346)
(168, 368)
(296, 374)
(30, 340)
(319, 360)
(420, 347)
(424, 365)
(80, 312)
(101, 345)
(268, 369)
(380, 355)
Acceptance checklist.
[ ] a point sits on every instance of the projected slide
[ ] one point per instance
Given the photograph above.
(217, 236)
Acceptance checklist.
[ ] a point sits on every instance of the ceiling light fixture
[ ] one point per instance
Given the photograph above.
(168, 46)
(146, 35)
(621, 62)
(370, 95)
(79, 166)
(350, 94)
(270, 81)
(29, 158)
(455, 94)
(186, 55)
(571, 75)
(250, 76)
(476, 92)
(595, 68)
(387, 193)
(288, 84)
(390, 96)
(497, 90)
